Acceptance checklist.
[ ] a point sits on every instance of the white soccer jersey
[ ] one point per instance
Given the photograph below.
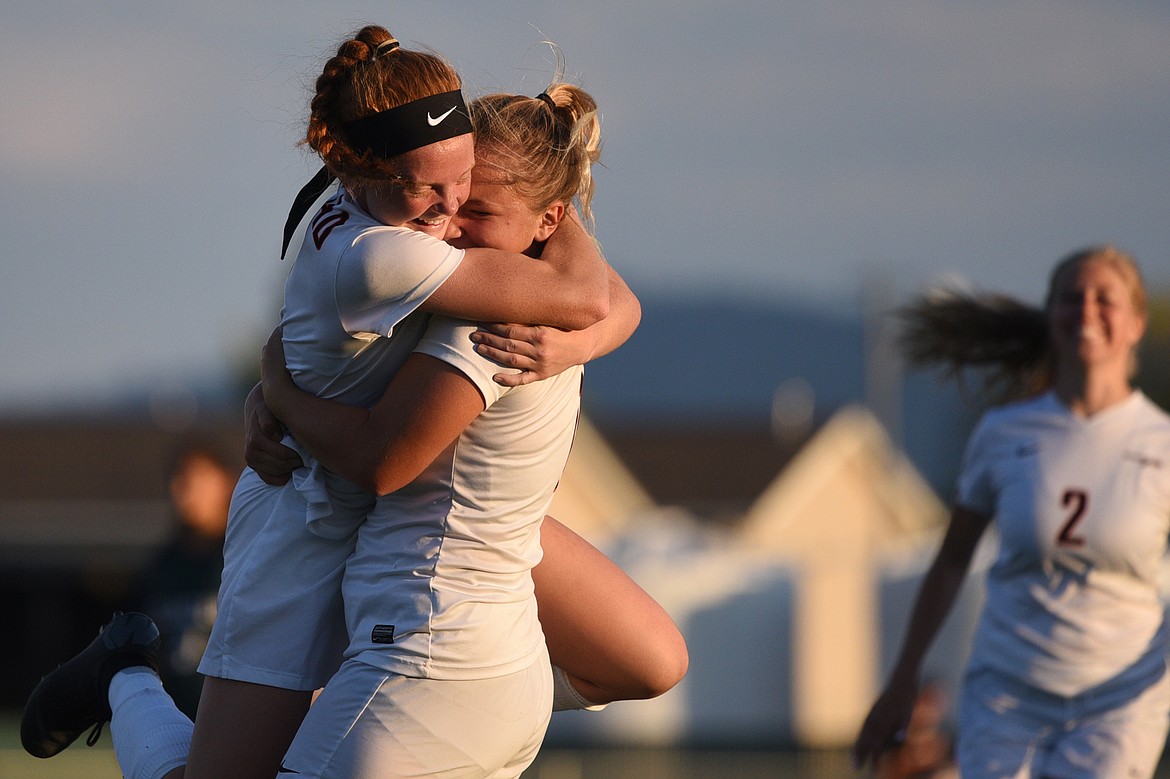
(350, 319)
(1082, 507)
(439, 584)
(354, 284)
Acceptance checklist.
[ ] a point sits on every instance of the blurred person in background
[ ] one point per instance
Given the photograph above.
(1067, 675)
(179, 586)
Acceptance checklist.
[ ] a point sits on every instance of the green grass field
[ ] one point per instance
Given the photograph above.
(77, 762)
(81, 762)
(97, 762)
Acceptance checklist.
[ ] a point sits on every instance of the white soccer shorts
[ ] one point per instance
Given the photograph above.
(369, 724)
(1008, 730)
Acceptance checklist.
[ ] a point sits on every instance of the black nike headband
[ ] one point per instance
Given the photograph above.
(410, 126)
(387, 134)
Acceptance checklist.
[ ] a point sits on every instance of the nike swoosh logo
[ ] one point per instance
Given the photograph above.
(435, 121)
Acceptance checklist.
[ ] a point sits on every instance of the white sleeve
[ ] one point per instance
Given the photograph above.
(974, 490)
(386, 274)
(449, 340)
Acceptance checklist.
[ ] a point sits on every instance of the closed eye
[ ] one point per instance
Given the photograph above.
(473, 212)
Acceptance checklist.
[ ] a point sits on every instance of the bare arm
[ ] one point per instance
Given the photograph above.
(384, 448)
(568, 288)
(540, 352)
(891, 712)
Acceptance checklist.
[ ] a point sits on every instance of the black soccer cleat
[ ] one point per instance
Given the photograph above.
(75, 697)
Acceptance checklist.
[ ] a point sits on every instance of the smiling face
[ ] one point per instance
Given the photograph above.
(433, 182)
(1094, 315)
(495, 216)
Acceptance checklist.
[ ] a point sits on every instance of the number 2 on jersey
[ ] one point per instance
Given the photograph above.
(1078, 501)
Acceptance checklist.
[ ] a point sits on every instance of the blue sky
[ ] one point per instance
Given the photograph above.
(762, 151)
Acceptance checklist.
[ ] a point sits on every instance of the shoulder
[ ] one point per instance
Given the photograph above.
(1151, 425)
(1020, 412)
(449, 339)
(385, 261)
(374, 241)
(1151, 411)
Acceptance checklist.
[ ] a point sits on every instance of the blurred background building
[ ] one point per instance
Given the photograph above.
(776, 502)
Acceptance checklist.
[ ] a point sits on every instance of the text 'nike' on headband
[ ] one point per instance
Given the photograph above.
(410, 126)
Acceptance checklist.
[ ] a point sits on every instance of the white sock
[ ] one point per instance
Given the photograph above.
(151, 736)
(566, 697)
